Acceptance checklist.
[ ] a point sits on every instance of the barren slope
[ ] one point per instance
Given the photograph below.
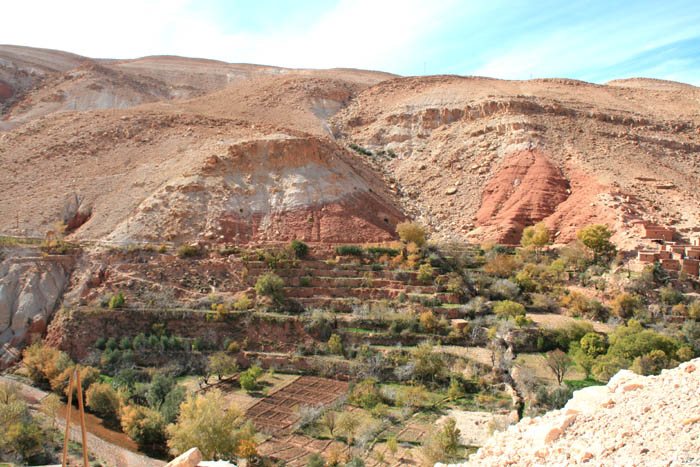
(37, 82)
(622, 152)
(166, 176)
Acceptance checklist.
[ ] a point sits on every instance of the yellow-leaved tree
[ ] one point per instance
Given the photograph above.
(220, 432)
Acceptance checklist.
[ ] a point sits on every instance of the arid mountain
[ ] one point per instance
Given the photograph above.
(483, 158)
(168, 148)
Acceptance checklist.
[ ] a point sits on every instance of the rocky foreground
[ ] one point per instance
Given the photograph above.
(633, 421)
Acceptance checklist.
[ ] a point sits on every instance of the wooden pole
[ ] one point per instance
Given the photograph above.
(70, 401)
(82, 420)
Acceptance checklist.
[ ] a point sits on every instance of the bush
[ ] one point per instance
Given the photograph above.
(300, 249)
(188, 251)
(412, 232)
(335, 345)
(243, 303)
(502, 265)
(555, 399)
(117, 301)
(270, 285)
(508, 309)
(504, 289)
(365, 394)
(348, 250)
(100, 343)
(103, 400)
(143, 425)
(425, 273)
(380, 251)
(670, 296)
(625, 304)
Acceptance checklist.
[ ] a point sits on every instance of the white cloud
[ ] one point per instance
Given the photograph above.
(354, 33)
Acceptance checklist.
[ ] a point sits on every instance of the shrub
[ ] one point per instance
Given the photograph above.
(365, 394)
(243, 303)
(270, 285)
(504, 289)
(425, 273)
(624, 305)
(428, 321)
(412, 232)
(508, 309)
(555, 399)
(103, 400)
(117, 301)
(348, 250)
(380, 251)
(335, 345)
(316, 460)
(188, 251)
(670, 296)
(143, 425)
(502, 265)
(300, 249)
(593, 344)
(100, 343)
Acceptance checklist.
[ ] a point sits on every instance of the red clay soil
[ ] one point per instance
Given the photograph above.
(526, 189)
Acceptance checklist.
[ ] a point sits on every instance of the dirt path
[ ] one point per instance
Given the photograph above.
(110, 454)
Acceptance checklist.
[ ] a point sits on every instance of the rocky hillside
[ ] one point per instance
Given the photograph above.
(634, 420)
(174, 149)
(482, 158)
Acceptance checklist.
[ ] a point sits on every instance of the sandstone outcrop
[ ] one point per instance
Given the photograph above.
(634, 420)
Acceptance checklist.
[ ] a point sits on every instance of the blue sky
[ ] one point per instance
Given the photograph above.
(590, 40)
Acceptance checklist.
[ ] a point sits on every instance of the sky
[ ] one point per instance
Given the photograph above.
(511, 39)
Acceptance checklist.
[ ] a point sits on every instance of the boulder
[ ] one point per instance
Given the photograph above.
(190, 458)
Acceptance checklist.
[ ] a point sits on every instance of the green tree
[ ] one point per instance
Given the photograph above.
(270, 285)
(597, 238)
(160, 386)
(206, 421)
(456, 389)
(593, 344)
(117, 300)
(508, 309)
(170, 408)
(221, 364)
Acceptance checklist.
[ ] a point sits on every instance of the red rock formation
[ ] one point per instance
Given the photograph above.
(525, 190)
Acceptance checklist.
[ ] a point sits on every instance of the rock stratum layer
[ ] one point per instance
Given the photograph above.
(633, 421)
